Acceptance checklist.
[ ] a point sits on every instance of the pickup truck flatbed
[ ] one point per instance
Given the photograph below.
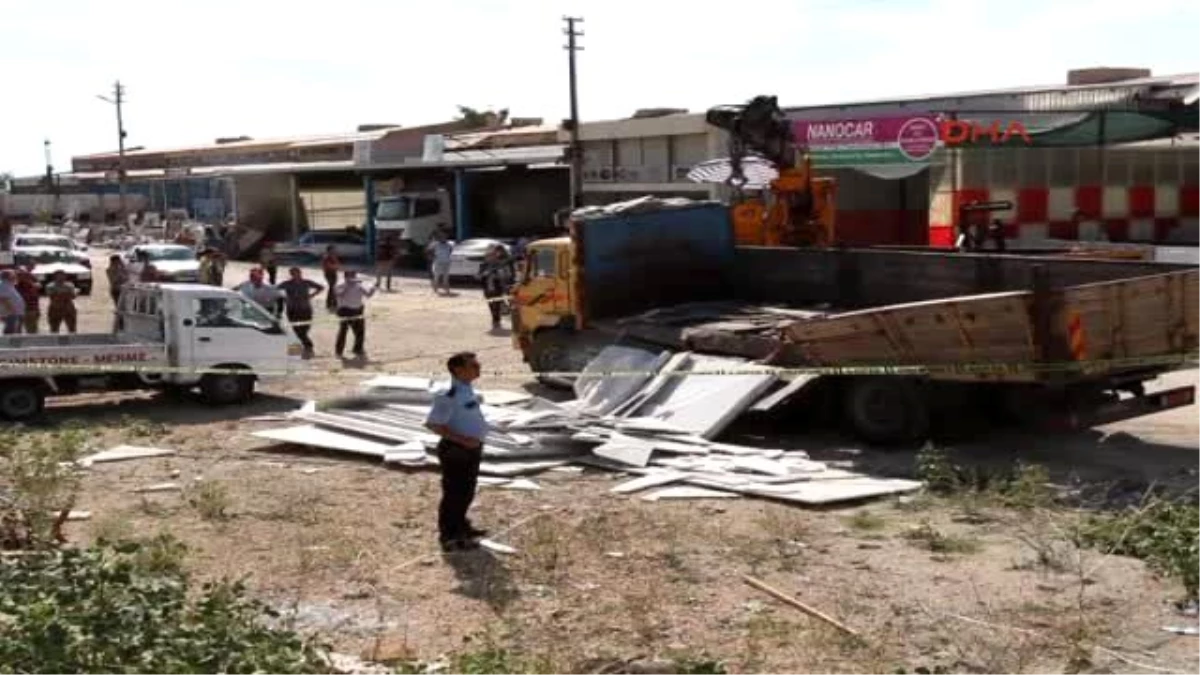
(171, 336)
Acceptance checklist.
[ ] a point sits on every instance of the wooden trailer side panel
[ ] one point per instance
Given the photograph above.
(970, 331)
(1142, 317)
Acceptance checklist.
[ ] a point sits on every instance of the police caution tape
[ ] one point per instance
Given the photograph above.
(143, 363)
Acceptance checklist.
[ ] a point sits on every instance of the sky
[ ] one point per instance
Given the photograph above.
(197, 70)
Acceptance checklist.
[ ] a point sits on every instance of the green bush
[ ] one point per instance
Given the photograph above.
(128, 608)
(1166, 534)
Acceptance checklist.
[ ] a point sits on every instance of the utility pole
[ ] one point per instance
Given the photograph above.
(50, 186)
(576, 151)
(118, 98)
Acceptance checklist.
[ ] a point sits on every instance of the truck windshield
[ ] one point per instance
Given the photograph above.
(394, 208)
(231, 313)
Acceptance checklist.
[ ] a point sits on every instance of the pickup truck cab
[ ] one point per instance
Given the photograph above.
(169, 336)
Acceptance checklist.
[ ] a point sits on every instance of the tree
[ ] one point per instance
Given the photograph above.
(5, 179)
(482, 118)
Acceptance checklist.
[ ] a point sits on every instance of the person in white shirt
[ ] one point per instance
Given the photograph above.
(351, 297)
(439, 255)
(259, 291)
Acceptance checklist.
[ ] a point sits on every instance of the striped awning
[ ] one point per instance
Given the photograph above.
(758, 172)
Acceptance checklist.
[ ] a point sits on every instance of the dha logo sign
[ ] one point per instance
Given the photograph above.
(958, 132)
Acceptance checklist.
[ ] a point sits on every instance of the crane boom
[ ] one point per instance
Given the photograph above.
(801, 209)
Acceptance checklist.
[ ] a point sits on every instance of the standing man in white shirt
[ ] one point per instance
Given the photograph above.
(439, 255)
(351, 298)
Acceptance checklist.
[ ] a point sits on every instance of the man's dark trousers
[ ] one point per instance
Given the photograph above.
(460, 476)
(350, 319)
(301, 318)
(331, 278)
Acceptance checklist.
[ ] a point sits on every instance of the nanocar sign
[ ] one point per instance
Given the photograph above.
(898, 140)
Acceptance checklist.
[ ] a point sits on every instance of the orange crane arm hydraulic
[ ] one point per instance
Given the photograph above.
(800, 209)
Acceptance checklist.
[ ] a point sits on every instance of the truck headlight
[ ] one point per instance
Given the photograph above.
(295, 349)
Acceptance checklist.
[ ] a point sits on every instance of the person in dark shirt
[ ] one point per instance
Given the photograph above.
(298, 294)
(27, 286)
(385, 260)
(331, 264)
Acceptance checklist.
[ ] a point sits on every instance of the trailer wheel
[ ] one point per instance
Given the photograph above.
(227, 388)
(886, 410)
(21, 401)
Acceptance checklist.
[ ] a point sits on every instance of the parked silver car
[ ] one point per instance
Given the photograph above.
(313, 244)
(468, 255)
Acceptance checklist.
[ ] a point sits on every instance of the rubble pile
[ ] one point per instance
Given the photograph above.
(656, 416)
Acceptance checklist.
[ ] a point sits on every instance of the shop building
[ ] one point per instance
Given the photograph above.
(1104, 157)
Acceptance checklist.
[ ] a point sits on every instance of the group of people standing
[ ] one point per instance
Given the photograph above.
(21, 302)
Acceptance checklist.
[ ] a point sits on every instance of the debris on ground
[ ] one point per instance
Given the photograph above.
(123, 453)
(160, 487)
(653, 415)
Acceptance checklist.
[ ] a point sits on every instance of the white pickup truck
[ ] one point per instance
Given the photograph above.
(169, 336)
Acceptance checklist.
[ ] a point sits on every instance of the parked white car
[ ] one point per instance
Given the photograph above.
(45, 261)
(312, 245)
(468, 255)
(44, 239)
(174, 262)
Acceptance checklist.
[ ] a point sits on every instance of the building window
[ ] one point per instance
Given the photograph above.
(1116, 168)
(1141, 167)
(1190, 167)
(426, 207)
(1064, 166)
(686, 152)
(1091, 166)
(1167, 166)
(974, 168)
(1033, 167)
(1003, 167)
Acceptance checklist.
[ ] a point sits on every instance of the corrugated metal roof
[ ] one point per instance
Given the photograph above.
(528, 155)
(1041, 98)
(282, 143)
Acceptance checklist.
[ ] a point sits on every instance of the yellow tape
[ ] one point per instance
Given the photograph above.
(1165, 360)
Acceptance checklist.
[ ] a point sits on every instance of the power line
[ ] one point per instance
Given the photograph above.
(576, 151)
(118, 98)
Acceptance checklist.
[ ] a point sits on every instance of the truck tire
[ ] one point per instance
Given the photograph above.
(227, 388)
(886, 410)
(561, 351)
(22, 401)
(85, 289)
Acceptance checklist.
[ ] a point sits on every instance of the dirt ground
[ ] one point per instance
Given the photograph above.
(350, 548)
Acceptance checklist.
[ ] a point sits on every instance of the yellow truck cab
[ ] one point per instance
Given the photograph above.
(542, 298)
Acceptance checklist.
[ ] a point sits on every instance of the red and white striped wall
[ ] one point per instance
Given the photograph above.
(1149, 214)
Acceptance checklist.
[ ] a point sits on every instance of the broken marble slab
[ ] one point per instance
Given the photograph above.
(688, 492)
(123, 453)
(613, 376)
(317, 437)
(819, 492)
(625, 449)
(705, 403)
(521, 484)
(649, 480)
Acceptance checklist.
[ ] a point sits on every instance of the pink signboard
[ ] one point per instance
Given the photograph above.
(881, 140)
